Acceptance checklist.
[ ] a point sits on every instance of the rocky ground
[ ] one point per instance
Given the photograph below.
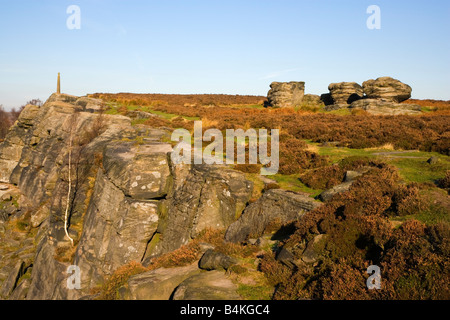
(97, 190)
(128, 203)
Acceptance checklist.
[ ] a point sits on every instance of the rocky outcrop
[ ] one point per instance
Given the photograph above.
(379, 97)
(388, 89)
(275, 206)
(203, 197)
(158, 284)
(212, 285)
(344, 93)
(286, 94)
(128, 202)
(382, 107)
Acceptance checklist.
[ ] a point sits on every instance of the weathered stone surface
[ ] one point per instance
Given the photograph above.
(286, 257)
(90, 104)
(351, 175)
(9, 284)
(213, 260)
(11, 148)
(274, 205)
(383, 107)
(48, 274)
(344, 93)
(157, 284)
(116, 230)
(211, 285)
(137, 114)
(286, 94)
(313, 249)
(141, 172)
(203, 197)
(39, 216)
(327, 195)
(21, 290)
(388, 89)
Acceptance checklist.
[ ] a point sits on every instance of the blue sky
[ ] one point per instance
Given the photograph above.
(232, 47)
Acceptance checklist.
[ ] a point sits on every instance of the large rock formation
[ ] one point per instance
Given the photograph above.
(344, 93)
(127, 200)
(275, 206)
(379, 97)
(286, 94)
(382, 107)
(388, 89)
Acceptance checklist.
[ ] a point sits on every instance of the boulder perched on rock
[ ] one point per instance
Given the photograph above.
(383, 107)
(388, 89)
(275, 205)
(286, 94)
(345, 92)
(91, 104)
(213, 260)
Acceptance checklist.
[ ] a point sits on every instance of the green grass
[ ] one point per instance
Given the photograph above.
(435, 211)
(339, 112)
(418, 170)
(412, 165)
(336, 154)
(137, 121)
(292, 183)
(428, 109)
(113, 109)
(258, 292)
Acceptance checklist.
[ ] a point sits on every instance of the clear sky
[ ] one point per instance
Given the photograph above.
(227, 46)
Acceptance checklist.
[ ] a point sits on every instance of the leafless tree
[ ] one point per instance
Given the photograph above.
(5, 122)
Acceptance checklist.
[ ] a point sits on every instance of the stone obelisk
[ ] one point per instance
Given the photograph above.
(58, 86)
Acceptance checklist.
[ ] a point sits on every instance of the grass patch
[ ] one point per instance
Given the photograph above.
(255, 292)
(413, 166)
(435, 208)
(116, 108)
(292, 183)
(418, 170)
(246, 106)
(258, 185)
(336, 154)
